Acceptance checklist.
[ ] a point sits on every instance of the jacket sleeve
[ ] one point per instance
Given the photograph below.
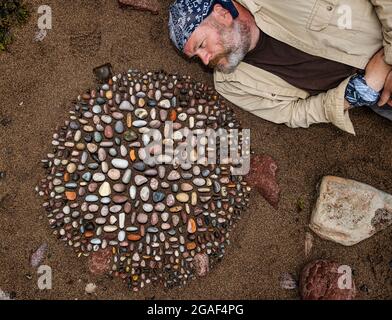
(326, 107)
(383, 10)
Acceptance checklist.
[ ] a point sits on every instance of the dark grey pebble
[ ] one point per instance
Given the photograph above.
(186, 175)
(205, 173)
(152, 230)
(175, 187)
(74, 125)
(87, 176)
(88, 138)
(101, 101)
(71, 185)
(93, 166)
(172, 232)
(140, 166)
(152, 103)
(158, 196)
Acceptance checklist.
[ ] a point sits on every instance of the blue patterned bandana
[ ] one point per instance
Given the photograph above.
(187, 15)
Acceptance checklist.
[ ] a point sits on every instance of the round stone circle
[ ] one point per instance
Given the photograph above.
(102, 192)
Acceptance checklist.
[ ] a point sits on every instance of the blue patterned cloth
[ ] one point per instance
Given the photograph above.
(186, 15)
(359, 94)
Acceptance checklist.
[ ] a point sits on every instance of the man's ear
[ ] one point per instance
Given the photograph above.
(222, 15)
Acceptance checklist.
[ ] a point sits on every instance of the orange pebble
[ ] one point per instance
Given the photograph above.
(173, 115)
(70, 195)
(129, 120)
(89, 234)
(191, 226)
(132, 155)
(134, 237)
(191, 245)
(66, 177)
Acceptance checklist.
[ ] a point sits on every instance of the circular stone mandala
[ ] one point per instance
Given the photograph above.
(104, 192)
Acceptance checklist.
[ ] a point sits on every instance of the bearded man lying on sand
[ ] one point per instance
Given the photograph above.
(295, 62)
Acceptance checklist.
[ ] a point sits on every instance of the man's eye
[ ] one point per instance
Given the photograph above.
(202, 45)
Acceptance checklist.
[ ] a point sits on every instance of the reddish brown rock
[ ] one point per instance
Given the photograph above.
(320, 281)
(99, 261)
(147, 5)
(262, 177)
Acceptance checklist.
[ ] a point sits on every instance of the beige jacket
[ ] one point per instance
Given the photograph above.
(311, 26)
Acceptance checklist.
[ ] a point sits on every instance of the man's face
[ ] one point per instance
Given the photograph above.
(219, 46)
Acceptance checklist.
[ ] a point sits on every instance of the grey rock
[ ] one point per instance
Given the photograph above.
(348, 212)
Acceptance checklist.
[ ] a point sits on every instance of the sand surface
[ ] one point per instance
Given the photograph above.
(38, 81)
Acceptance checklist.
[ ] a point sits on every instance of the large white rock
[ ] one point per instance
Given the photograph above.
(348, 211)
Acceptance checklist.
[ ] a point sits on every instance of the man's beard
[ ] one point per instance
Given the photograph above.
(236, 43)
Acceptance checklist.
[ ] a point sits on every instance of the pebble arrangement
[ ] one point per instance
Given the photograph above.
(100, 194)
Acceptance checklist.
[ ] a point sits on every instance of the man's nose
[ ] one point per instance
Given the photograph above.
(205, 57)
